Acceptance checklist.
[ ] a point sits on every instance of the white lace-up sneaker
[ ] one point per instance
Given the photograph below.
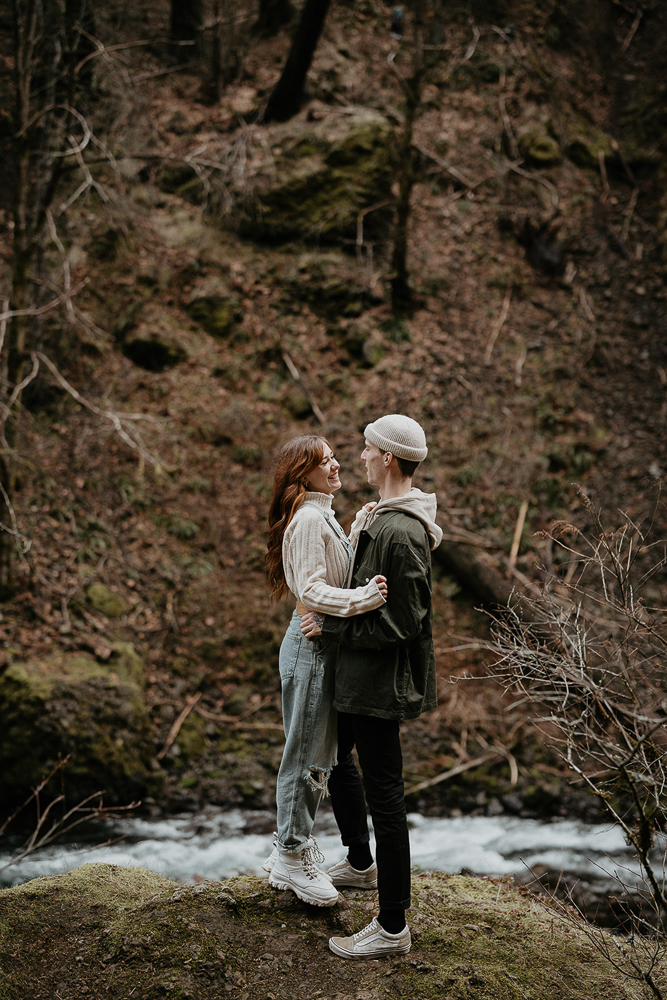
(299, 872)
(372, 942)
(270, 861)
(345, 876)
(273, 856)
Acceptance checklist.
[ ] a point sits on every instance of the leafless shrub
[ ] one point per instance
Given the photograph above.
(637, 953)
(49, 826)
(590, 653)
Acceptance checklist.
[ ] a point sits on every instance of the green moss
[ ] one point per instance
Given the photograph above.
(540, 148)
(144, 935)
(248, 454)
(398, 330)
(74, 705)
(336, 168)
(216, 315)
(467, 475)
(106, 601)
(191, 739)
(183, 528)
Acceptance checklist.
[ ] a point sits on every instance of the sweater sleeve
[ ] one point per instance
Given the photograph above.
(304, 553)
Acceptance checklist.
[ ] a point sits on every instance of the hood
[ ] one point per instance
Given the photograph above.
(421, 505)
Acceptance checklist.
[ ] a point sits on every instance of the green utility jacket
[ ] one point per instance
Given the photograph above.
(386, 662)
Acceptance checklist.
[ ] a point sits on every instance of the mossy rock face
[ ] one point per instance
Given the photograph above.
(212, 305)
(582, 141)
(142, 935)
(156, 352)
(539, 148)
(327, 284)
(322, 175)
(69, 704)
(216, 315)
(106, 601)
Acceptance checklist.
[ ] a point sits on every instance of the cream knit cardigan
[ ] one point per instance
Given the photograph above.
(315, 561)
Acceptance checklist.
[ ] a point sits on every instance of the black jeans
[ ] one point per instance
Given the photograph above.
(378, 746)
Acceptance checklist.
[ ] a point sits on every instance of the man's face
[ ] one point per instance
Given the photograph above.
(373, 459)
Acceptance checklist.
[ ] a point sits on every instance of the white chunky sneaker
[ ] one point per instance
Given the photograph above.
(372, 942)
(344, 875)
(300, 873)
(273, 856)
(270, 861)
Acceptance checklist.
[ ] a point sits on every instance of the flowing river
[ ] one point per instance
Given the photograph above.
(217, 844)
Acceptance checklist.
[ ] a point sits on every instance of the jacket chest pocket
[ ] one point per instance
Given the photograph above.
(365, 572)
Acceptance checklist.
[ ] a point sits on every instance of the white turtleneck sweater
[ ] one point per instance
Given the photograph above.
(315, 560)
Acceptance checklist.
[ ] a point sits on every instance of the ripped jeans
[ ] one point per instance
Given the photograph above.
(307, 670)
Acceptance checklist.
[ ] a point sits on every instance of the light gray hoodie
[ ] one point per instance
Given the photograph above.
(421, 505)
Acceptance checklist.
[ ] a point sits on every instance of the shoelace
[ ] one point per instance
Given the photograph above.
(373, 926)
(311, 855)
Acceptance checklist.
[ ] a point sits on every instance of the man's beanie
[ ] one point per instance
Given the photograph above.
(400, 435)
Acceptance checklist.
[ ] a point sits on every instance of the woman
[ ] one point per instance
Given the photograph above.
(309, 555)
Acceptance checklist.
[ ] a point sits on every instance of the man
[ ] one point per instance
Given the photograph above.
(385, 674)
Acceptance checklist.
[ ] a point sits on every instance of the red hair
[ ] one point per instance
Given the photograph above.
(296, 461)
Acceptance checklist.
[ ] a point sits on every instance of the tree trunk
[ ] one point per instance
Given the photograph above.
(287, 96)
(13, 358)
(273, 15)
(481, 574)
(48, 42)
(402, 299)
(186, 20)
(472, 567)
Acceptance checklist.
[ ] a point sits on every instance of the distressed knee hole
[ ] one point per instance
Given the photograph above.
(318, 778)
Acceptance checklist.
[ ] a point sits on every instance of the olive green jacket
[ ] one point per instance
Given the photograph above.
(386, 662)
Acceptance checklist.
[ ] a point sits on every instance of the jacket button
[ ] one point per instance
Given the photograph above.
(367, 579)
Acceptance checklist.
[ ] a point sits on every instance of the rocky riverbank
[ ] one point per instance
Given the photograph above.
(103, 930)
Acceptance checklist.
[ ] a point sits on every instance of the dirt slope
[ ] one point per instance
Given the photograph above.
(570, 388)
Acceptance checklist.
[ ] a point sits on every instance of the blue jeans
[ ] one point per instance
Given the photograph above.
(307, 671)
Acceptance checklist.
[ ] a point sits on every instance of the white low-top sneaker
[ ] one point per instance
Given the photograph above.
(300, 873)
(372, 942)
(345, 876)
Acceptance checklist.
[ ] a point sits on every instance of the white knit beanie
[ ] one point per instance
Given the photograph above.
(401, 436)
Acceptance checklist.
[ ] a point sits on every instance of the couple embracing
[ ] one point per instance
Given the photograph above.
(356, 661)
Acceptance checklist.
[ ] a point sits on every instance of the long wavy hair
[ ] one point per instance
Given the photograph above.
(296, 461)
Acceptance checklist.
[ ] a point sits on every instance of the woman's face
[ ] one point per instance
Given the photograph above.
(324, 477)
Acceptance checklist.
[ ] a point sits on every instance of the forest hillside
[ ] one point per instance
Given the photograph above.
(202, 285)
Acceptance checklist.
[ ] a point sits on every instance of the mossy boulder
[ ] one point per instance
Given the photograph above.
(107, 602)
(130, 932)
(584, 149)
(70, 704)
(216, 315)
(582, 141)
(327, 284)
(322, 174)
(538, 147)
(212, 306)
